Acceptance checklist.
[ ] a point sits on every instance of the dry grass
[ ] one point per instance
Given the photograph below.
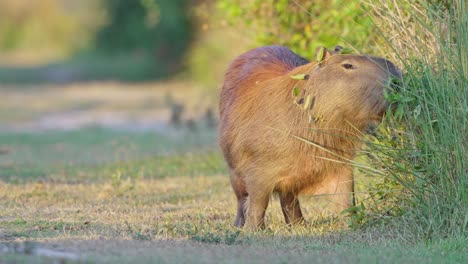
(111, 210)
(176, 207)
(414, 31)
(178, 219)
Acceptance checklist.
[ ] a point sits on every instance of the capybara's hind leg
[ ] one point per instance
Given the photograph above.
(343, 185)
(291, 208)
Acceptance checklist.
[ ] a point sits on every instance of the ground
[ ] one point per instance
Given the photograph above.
(94, 172)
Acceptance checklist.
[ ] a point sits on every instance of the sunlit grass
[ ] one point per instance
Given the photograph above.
(99, 221)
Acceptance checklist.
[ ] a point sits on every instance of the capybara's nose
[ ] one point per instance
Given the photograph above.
(395, 79)
(395, 84)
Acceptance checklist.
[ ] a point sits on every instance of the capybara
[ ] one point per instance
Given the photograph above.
(290, 126)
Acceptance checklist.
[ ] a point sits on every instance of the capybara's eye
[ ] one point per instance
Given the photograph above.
(348, 66)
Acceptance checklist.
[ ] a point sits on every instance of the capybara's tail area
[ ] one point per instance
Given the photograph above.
(255, 66)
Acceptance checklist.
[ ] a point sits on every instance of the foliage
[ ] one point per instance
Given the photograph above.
(151, 34)
(156, 28)
(214, 46)
(303, 25)
(429, 158)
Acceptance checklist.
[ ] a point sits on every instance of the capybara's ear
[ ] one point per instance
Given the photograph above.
(337, 49)
(322, 54)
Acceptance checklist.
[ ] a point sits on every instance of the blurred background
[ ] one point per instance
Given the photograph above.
(102, 81)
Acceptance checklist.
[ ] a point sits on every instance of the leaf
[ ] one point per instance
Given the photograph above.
(300, 76)
(307, 102)
(296, 91)
(320, 54)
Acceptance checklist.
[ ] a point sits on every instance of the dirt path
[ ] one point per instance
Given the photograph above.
(122, 106)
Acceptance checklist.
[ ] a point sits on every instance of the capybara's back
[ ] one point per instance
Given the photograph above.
(259, 64)
(291, 126)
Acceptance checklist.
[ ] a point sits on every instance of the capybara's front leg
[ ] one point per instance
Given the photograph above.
(238, 185)
(240, 217)
(291, 208)
(257, 203)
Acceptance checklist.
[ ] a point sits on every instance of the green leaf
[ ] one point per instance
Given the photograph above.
(320, 54)
(299, 76)
(296, 90)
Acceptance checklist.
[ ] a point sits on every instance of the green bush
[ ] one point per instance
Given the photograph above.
(429, 158)
(303, 25)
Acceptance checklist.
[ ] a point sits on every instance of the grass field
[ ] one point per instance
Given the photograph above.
(100, 192)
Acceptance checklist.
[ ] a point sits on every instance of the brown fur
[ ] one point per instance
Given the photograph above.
(263, 133)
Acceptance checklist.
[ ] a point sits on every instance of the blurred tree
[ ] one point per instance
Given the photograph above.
(303, 25)
(47, 28)
(215, 45)
(159, 27)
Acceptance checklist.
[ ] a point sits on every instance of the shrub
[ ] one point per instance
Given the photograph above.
(303, 25)
(429, 40)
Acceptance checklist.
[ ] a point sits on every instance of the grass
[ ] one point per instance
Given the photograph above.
(160, 207)
(93, 153)
(430, 159)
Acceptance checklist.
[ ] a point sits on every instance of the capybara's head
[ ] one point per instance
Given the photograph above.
(351, 87)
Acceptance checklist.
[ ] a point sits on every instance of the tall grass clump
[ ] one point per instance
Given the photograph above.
(425, 150)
